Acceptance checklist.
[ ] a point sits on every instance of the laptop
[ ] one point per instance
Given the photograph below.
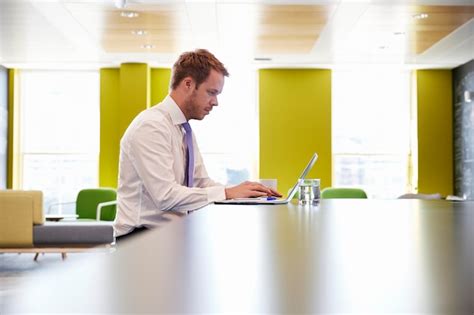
(271, 200)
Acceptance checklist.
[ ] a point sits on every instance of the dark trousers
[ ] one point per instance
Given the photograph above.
(131, 235)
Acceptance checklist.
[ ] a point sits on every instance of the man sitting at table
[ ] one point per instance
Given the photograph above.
(160, 166)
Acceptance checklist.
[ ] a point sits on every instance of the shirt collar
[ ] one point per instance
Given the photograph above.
(170, 106)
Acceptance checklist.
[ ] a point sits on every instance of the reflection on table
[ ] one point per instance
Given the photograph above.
(365, 256)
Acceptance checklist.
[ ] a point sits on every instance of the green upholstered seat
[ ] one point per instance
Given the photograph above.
(332, 192)
(92, 204)
(88, 199)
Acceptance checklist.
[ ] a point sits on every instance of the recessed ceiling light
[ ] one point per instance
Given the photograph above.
(120, 4)
(129, 14)
(139, 32)
(420, 16)
(148, 46)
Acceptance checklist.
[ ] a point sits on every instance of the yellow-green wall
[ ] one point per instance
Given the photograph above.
(134, 92)
(124, 93)
(109, 120)
(13, 153)
(295, 122)
(435, 131)
(160, 78)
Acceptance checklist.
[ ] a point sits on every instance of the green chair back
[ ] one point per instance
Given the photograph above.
(332, 193)
(88, 199)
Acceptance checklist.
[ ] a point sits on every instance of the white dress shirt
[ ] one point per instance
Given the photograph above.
(152, 170)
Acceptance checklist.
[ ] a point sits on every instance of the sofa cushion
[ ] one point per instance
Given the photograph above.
(73, 233)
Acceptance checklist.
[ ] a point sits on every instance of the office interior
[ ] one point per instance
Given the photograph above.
(296, 55)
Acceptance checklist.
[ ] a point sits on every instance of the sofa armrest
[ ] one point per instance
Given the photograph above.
(35, 195)
(104, 204)
(16, 220)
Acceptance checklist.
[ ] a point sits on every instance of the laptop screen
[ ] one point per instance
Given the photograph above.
(303, 175)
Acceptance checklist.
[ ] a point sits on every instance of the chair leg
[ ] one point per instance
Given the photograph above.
(63, 256)
(36, 257)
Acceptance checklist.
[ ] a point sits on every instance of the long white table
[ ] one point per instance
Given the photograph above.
(362, 256)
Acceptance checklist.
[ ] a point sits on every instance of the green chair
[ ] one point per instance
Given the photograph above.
(332, 193)
(95, 204)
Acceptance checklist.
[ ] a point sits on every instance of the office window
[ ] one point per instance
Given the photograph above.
(228, 137)
(371, 131)
(59, 130)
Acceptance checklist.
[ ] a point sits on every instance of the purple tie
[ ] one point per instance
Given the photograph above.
(188, 137)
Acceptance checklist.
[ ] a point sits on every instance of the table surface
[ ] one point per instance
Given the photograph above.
(364, 256)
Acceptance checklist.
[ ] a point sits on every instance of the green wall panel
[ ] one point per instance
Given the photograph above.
(13, 147)
(435, 131)
(160, 79)
(3, 126)
(295, 121)
(124, 93)
(134, 92)
(109, 118)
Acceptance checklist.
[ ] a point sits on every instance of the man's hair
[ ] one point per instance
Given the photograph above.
(197, 65)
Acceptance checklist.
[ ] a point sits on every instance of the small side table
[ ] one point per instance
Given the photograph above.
(57, 216)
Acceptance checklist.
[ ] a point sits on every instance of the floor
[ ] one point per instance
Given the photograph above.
(14, 268)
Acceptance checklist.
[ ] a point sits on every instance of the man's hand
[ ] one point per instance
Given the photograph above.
(250, 189)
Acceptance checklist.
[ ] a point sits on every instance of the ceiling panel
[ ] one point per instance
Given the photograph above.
(420, 33)
(290, 28)
(25, 33)
(441, 21)
(324, 32)
(164, 26)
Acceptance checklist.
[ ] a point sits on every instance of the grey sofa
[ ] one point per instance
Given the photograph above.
(23, 228)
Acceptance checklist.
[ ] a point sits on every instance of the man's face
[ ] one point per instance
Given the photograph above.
(201, 100)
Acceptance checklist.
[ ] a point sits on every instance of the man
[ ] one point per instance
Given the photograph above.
(160, 166)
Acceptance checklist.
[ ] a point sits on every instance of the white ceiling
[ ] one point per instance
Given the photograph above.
(87, 33)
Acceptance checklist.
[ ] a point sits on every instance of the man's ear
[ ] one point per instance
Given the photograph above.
(188, 83)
